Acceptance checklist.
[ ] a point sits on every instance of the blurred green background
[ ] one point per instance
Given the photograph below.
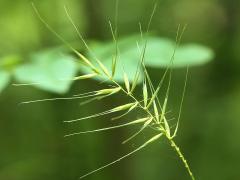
(32, 145)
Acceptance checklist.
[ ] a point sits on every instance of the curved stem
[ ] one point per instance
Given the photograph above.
(177, 149)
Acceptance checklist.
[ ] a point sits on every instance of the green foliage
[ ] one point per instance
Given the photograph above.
(158, 54)
(42, 69)
(48, 70)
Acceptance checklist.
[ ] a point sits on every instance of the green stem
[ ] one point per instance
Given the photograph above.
(177, 149)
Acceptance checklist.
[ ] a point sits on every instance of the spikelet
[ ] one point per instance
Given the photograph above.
(86, 76)
(145, 94)
(129, 110)
(126, 81)
(124, 107)
(114, 63)
(104, 69)
(108, 91)
(156, 113)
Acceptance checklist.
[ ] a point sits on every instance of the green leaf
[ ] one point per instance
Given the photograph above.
(158, 54)
(49, 70)
(4, 80)
(160, 50)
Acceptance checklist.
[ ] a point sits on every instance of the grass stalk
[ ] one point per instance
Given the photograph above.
(181, 156)
(156, 120)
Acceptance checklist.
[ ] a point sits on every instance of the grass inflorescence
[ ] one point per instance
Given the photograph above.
(154, 111)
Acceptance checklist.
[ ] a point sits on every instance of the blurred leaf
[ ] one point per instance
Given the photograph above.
(158, 54)
(4, 80)
(49, 70)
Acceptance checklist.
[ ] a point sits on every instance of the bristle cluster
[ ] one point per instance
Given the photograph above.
(154, 111)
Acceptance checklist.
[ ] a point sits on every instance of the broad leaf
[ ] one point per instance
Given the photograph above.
(158, 54)
(49, 70)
